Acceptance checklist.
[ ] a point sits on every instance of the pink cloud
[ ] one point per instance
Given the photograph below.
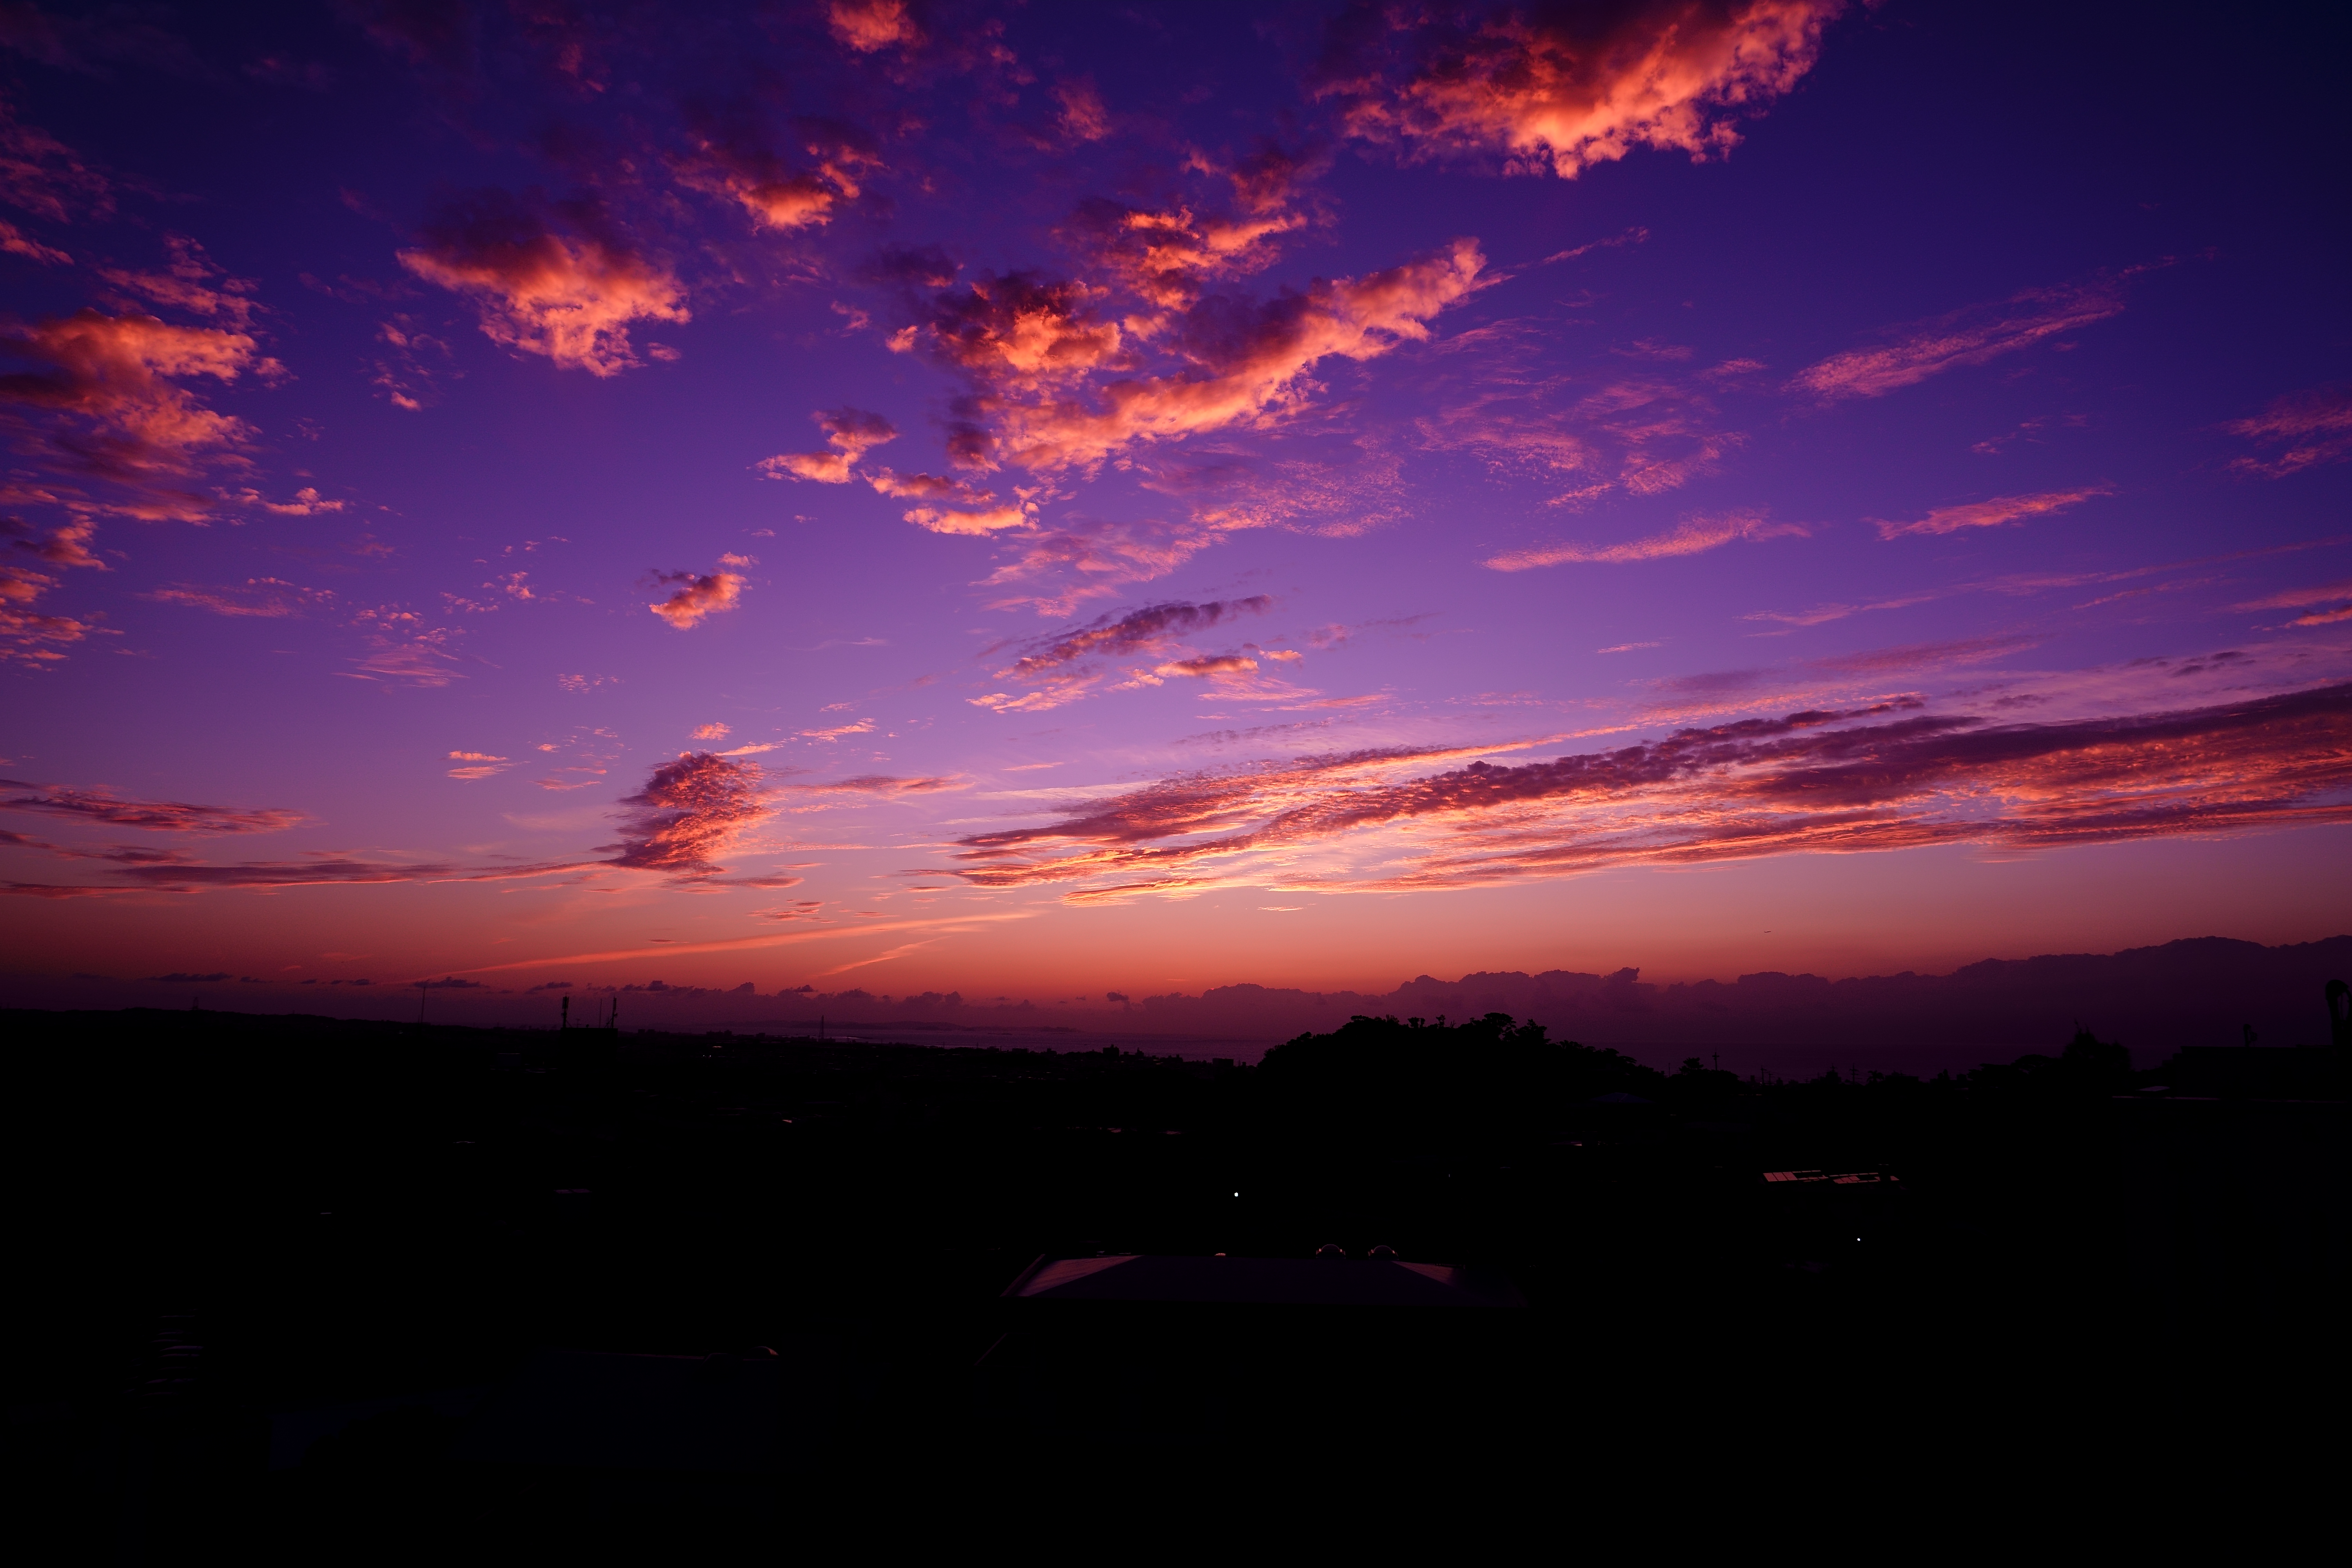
(1692, 536)
(697, 596)
(1566, 87)
(1248, 367)
(1057, 383)
(101, 805)
(569, 297)
(1147, 630)
(1970, 337)
(1080, 114)
(712, 731)
(1210, 665)
(14, 241)
(732, 160)
(1092, 559)
(868, 27)
(2322, 604)
(1164, 255)
(110, 380)
(1814, 782)
(691, 811)
(42, 175)
(928, 487)
(1997, 512)
(988, 520)
(191, 282)
(266, 598)
(33, 640)
(2315, 427)
(1640, 435)
(850, 432)
(481, 765)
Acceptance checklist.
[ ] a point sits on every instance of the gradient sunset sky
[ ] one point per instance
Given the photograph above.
(1049, 499)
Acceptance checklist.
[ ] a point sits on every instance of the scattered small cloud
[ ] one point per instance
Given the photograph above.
(1997, 512)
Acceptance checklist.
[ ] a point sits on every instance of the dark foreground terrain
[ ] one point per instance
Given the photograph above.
(327, 1290)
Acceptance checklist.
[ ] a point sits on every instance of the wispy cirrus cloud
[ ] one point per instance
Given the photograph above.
(1692, 536)
(1813, 781)
(2322, 604)
(2314, 428)
(1967, 337)
(41, 175)
(888, 784)
(1638, 435)
(569, 296)
(266, 598)
(104, 807)
(1559, 88)
(1997, 512)
(691, 811)
(1146, 630)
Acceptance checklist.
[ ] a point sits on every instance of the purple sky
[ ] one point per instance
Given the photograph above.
(1049, 499)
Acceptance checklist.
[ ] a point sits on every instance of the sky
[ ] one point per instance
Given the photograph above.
(1076, 502)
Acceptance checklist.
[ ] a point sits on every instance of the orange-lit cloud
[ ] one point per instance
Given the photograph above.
(110, 380)
(1562, 88)
(1996, 512)
(1017, 332)
(570, 298)
(1248, 364)
(850, 432)
(690, 811)
(1968, 337)
(987, 520)
(1208, 665)
(1817, 781)
(870, 25)
(697, 596)
(732, 160)
(1165, 254)
(189, 281)
(479, 766)
(2314, 428)
(1689, 537)
(26, 637)
(1057, 383)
